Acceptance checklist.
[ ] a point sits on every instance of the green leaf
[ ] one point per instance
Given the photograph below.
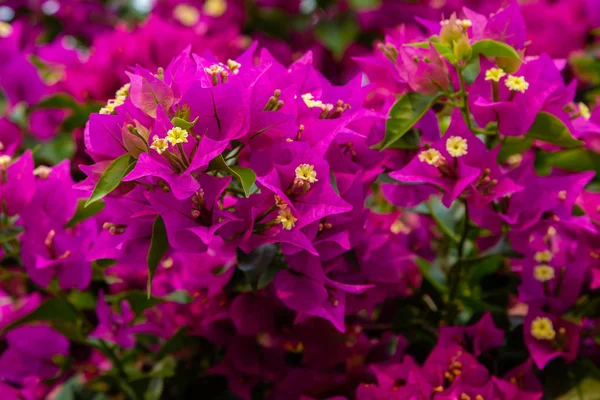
(183, 124)
(60, 313)
(82, 300)
(245, 176)
(587, 389)
(158, 246)
(60, 100)
(259, 266)
(336, 35)
(111, 178)
(445, 218)
(155, 389)
(175, 343)
(484, 266)
(512, 145)
(471, 70)
(435, 277)
(60, 147)
(548, 128)
(575, 160)
(10, 233)
(407, 111)
(441, 48)
(82, 213)
(492, 48)
(409, 141)
(139, 301)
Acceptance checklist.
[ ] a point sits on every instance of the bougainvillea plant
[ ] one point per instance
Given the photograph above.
(192, 209)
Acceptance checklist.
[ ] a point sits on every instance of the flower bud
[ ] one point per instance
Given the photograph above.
(462, 48)
(451, 31)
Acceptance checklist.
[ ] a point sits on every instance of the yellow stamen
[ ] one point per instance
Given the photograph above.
(233, 66)
(542, 329)
(431, 157)
(310, 101)
(516, 83)
(177, 135)
(160, 145)
(543, 273)
(286, 218)
(494, 74)
(42, 171)
(456, 146)
(187, 14)
(306, 172)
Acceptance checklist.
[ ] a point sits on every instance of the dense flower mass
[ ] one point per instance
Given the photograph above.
(299, 200)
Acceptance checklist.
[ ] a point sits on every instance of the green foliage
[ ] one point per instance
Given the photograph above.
(111, 178)
(337, 34)
(245, 176)
(549, 128)
(158, 247)
(407, 111)
(82, 213)
(492, 48)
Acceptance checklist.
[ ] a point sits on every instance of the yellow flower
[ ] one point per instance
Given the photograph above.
(215, 8)
(160, 145)
(456, 146)
(542, 329)
(543, 273)
(5, 161)
(187, 14)
(431, 157)
(516, 83)
(123, 92)
(286, 218)
(494, 74)
(543, 256)
(177, 135)
(110, 106)
(584, 111)
(5, 29)
(306, 172)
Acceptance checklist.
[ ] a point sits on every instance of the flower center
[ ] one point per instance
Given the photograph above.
(542, 329)
(543, 273)
(456, 146)
(286, 218)
(516, 83)
(494, 74)
(307, 173)
(159, 145)
(431, 157)
(177, 135)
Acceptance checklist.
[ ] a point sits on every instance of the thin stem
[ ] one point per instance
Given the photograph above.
(456, 270)
(184, 156)
(465, 100)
